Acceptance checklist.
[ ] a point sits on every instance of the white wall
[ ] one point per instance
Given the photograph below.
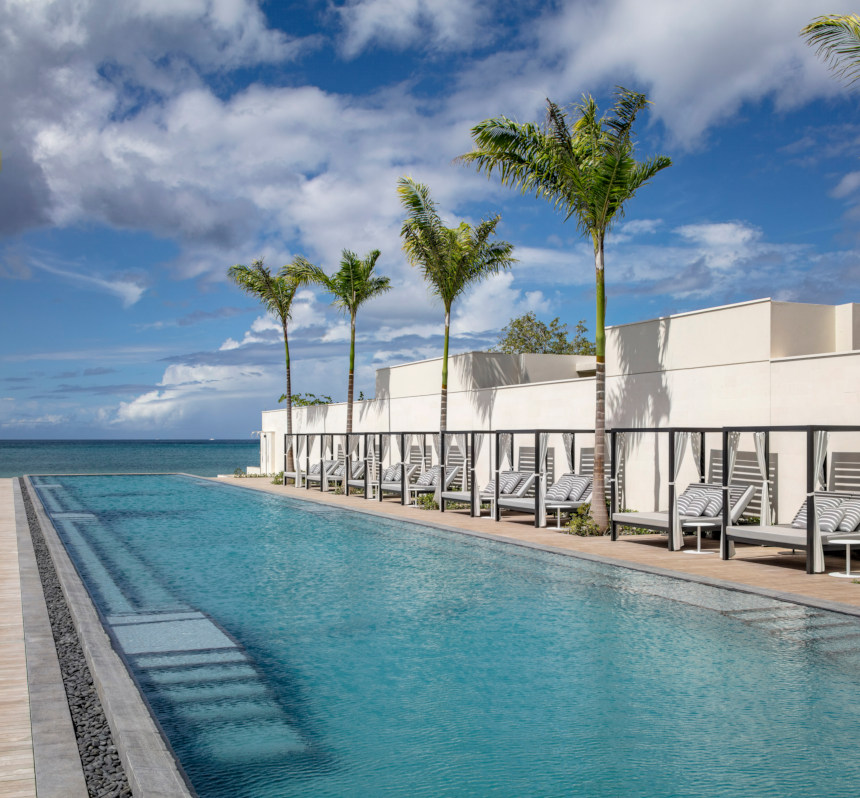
(710, 368)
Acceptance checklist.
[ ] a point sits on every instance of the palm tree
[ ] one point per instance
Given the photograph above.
(587, 170)
(838, 41)
(450, 259)
(350, 286)
(277, 294)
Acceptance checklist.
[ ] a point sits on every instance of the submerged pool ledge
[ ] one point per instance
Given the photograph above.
(149, 764)
(753, 569)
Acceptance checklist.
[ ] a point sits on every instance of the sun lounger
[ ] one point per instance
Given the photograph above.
(391, 477)
(356, 473)
(314, 476)
(739, 496)
(832, 526)
(568, 493)
(428, 481)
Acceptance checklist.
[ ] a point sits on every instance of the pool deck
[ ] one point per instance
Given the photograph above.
(17, 766)
(754, 569)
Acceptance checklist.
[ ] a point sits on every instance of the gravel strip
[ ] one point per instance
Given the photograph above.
(103, 771)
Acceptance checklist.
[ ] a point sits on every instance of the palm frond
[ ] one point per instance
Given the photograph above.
(837, 41)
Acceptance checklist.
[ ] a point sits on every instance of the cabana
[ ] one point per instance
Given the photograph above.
(826, 514)
(516, 498)
(672, 521)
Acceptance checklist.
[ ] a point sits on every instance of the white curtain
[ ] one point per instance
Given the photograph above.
(461, 445)
(383, 450)
(354, 443)
(567, 437)
(620, 440)
(298, 448)
(370, 456)
(681, 439)
(696, 439)
(734, 441)
(437, 443)
(760, 438)
(440, 481)
(506, 449)
(476, 503)
(820, 440)
(540, 490)
(328, 440)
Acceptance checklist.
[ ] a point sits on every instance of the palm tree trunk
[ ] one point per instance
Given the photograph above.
(351, 376)
(598, 501)
(291, 466)
(443, 418)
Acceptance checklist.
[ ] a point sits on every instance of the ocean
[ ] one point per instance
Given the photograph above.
(203, 458)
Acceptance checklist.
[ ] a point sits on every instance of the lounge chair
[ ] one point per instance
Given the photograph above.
(356, 473)
(391, 477)
(844, 522)
(314, 476)
(568, 493)
(688, 503)
(428, 481)
(512, 485)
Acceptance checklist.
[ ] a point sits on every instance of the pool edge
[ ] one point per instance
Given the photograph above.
(725, 584)
(149, 764)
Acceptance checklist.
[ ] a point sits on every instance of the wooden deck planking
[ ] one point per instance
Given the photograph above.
(17, 768)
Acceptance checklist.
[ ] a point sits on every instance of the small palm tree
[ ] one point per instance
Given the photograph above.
(587, 171)
(838, 41)
(277, 294)
(450, 259)
(350, 287)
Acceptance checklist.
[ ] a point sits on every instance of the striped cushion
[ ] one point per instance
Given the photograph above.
(829, 519)
(821, 502)
(509, 481)
(577, 490)
(715, 506)
(697, 504)
(315, 469)
(561, 489)
(391, 474)
(694, 491)
(428, 478)
(339, 470)
(851, 519)
(490, 490)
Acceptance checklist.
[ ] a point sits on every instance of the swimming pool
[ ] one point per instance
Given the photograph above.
(289, 648)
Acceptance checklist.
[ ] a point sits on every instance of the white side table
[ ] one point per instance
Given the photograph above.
(847, 542)
(699, 526)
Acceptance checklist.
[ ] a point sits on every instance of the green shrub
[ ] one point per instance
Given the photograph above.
(239, 472)
(581, 523)
(278, 479)
(426, 501)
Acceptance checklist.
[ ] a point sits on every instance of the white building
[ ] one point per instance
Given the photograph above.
(761, 363)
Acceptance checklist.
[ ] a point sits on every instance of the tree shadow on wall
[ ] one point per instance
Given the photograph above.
(641, 395)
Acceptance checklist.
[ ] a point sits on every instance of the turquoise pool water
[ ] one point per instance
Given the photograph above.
(291, 649)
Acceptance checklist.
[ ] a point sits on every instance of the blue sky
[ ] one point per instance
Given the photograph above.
(149, 145)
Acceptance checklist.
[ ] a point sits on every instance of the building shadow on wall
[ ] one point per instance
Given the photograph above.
(642, 397)
(485, 371)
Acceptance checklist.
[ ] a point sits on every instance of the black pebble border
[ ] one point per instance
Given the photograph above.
(103, 771)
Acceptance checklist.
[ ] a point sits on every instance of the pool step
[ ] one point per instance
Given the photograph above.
(827, 631)
(194, 673)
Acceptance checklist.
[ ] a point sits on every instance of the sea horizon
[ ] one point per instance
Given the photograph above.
(200, 456)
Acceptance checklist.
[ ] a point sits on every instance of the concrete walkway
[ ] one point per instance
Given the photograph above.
(754, 568)
(17, 768)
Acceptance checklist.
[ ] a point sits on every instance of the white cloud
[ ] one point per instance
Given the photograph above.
(847, 185)
(698, 62)
(128, 290)
(186, 391)
(491, 304)
(397, 24)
